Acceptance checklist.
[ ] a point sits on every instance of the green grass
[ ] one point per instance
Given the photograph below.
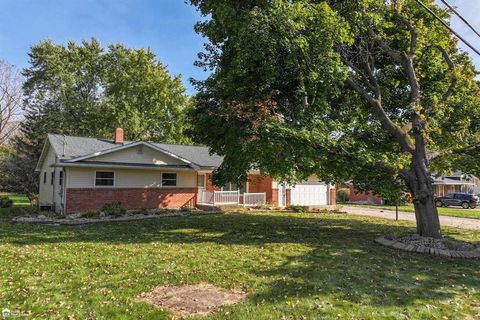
(294, 266)
(450, 211)
(19, 200)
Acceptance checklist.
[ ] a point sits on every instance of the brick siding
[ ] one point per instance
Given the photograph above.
(259, 183)
(84, 199)
(333, 197)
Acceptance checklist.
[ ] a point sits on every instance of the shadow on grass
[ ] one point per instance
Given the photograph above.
(341, 259)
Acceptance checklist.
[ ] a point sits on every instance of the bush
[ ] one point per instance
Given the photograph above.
(296, 208)
(138, 212)
(343, 195)
(186, 208)
(114, 209)
(90, 214)
(5, 202)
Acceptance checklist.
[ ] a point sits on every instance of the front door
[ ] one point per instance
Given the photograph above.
(282, 195)
(201, 180)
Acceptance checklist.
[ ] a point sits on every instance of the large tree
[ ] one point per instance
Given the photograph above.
(86, 90)
(371, 91)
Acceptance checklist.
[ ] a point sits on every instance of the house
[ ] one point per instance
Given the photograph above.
(79, 174)
(456, 182)
(363, 197)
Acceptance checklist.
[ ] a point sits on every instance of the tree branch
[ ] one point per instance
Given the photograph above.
(392, 128)
(453, 70)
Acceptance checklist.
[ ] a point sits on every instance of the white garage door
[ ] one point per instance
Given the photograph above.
(309, 194)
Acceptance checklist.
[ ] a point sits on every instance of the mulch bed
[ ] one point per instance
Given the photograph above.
(192, 299)
(445, 247)
(75, 220)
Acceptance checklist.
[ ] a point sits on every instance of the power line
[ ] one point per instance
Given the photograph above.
(461, 17)
(448, 27)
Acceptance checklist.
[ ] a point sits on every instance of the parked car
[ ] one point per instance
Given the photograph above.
(464, 200)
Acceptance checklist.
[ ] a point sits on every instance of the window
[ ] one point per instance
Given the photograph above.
(201, 181)
(233, 187)
(45, 177)
(52, 178)
(60, 178)
(104, 178)
(140, 149)
(169, 179)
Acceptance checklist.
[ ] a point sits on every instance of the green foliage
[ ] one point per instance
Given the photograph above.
(90, 214)
(114, 209)
(138, 212)
(343, 195)
(297, 208)
(5, 202)
(330, 88)
(86, 90)
(186, 208)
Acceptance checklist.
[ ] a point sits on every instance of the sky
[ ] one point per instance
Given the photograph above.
(166, 26)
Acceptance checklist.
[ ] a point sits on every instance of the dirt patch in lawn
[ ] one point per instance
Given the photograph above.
(192, 299)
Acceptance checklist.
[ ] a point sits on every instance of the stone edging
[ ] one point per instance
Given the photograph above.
(471, 254)
(81, 221)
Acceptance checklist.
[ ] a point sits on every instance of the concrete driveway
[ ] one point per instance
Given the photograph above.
(466, 223)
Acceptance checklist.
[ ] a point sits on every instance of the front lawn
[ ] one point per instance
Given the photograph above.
(450, 211)
(294, 266)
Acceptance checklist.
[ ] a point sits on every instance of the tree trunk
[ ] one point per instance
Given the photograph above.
(428, 223)
(420, 182)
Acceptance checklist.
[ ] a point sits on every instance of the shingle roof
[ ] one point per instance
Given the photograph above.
(70, 147)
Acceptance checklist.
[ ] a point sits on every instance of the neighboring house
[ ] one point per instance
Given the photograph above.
(354, 196)
(456, 182)
(78, 174)
(363, 198)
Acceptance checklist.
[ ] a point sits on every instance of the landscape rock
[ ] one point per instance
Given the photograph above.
(446, 247)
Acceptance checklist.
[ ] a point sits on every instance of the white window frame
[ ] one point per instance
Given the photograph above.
(204, 180)
(238, 188)
(169, 186)
(95, 178)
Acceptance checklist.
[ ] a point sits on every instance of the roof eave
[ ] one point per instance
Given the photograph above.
(119, 165)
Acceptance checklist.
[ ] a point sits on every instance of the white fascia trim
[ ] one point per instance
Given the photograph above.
(194, 165)
(130, 145)
(96, 165)
(43, 154)
(99, 153)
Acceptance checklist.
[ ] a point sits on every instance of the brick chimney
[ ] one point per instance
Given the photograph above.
(119, 135)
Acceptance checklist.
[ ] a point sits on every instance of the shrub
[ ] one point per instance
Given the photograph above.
(343, 195)
(90, 214)
(5, 202)
(186, 208)
(114, 209)
(138, 211)
(296, 208)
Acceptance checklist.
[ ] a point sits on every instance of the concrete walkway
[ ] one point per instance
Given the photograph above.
(466, 223)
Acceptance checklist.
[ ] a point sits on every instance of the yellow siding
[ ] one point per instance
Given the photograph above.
(129, 178)
(132, 155)
(45, 194)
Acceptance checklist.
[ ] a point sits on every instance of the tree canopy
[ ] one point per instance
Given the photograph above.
(374, 92)
(87, 90)
(84, 89)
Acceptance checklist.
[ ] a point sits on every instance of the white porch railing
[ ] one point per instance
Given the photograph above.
(226, 197)
(232, 197)
(206, 197)
(254, 199)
